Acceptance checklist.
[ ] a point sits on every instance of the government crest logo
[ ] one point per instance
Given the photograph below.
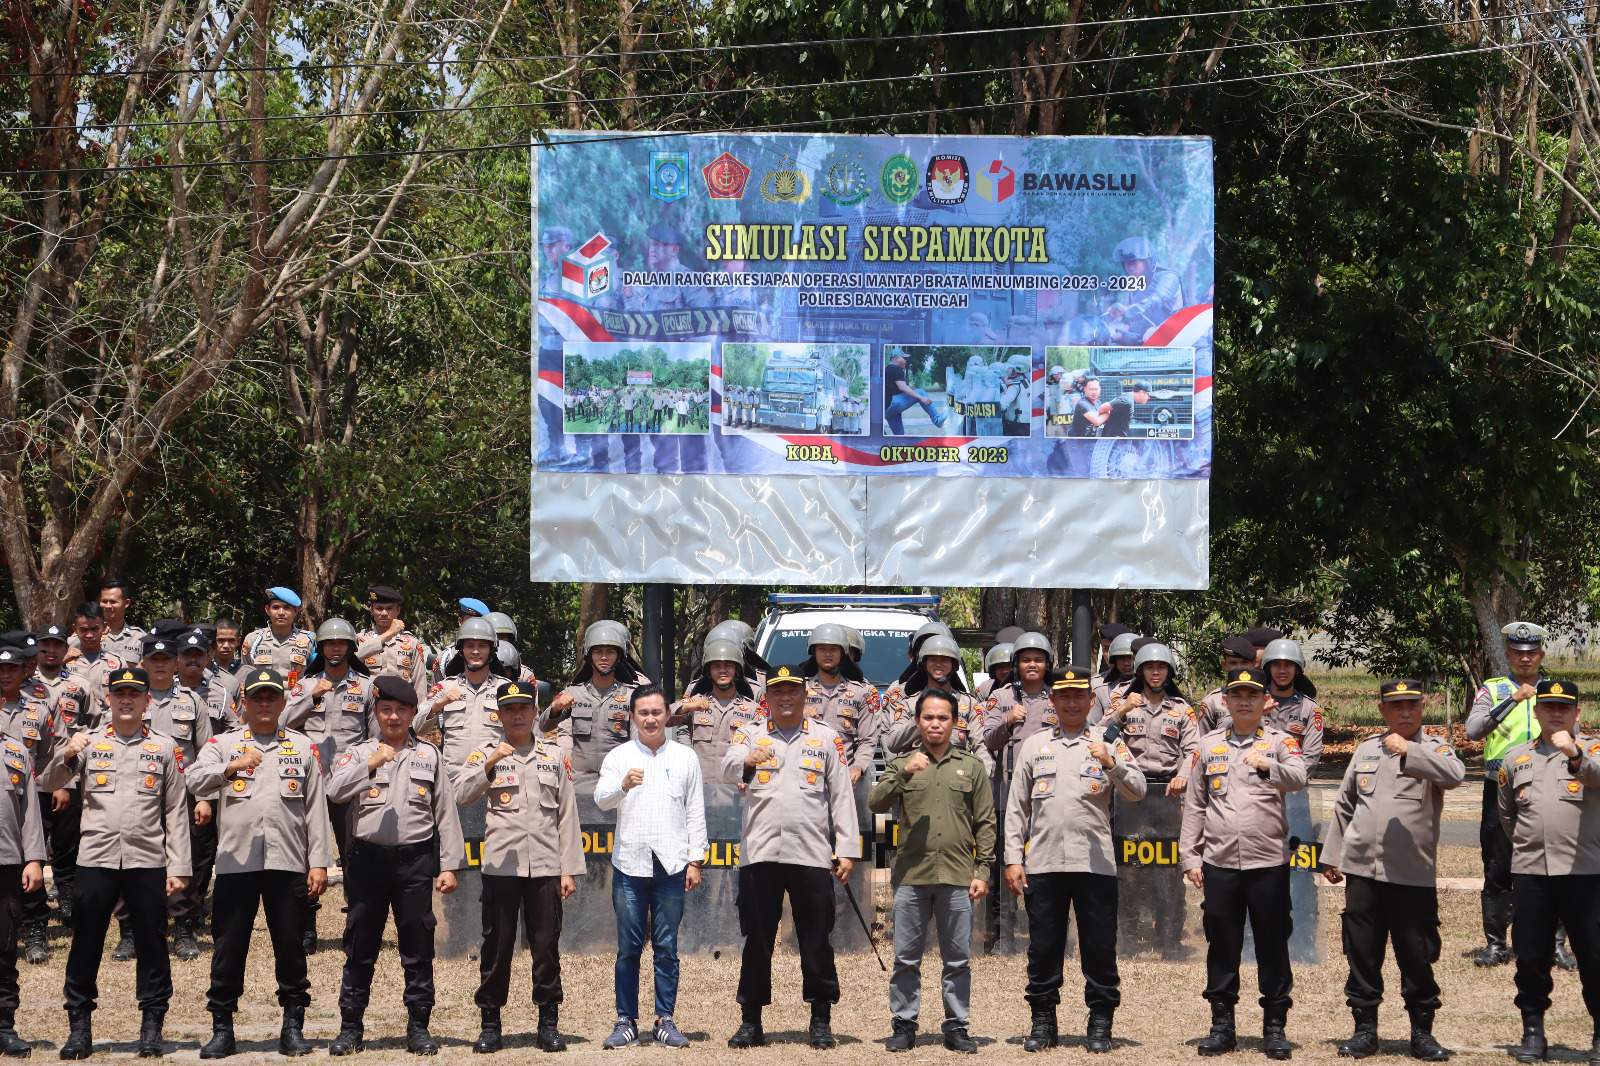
(726, 177)
(844, 180)
(669, 175)
(899, 179)
(786, 185)
(948, 180)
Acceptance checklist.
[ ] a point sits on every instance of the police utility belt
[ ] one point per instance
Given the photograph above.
(385, 853)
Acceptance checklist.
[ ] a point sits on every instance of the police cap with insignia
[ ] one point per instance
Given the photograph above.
(1401, 688)
(263, 681)
(194, 639)
(786, 675)
(158, 644)
(384, 594)
(51, 632)
(10, 653)
(1524, 636)
(129, 677)
(287, 595)
(1239, 647)
(1247, 677)
(166, 627)
(393, 688)
(1069, 677)
(667, 235)
(515, 692)
(1557, 692)
(22, 640)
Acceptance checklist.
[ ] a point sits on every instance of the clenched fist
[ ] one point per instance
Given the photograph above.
(757, 758)
(633, 778)
(76, 745)
(1395, 743)
(248, 759)
(322, 688)
(917, 763)
(384, 754)
(504, 751)
(1257, 760)
(1098, 750)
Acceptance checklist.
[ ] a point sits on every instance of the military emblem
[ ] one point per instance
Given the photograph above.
(844, 179)
(16, 779)
(948, 180)
(764, 776)
(1524, 757)
(899, 179)
(786, 185)
(1216, 784)
(726, 177)
(1220, 749)
(669, 175)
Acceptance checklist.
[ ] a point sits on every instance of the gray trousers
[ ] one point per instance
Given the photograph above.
(914, 907)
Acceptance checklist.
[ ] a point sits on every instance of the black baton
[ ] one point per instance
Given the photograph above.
(851, 896)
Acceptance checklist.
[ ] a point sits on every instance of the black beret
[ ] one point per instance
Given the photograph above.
(1239, 647)
(165, 627)
(22, 640)
(384, 594)
(1143, 642)
(1113, 630)
(394, 688)
(1262, 636)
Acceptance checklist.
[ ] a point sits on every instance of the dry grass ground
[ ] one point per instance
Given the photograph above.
(1162, 1012)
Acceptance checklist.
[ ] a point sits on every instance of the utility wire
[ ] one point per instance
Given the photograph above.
(781, 126)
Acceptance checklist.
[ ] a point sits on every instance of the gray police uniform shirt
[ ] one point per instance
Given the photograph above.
(128, 645)
(531, 818)
(400, 656)
(711, 729)
(465, 723)
(1550, 810)
(21, 820)
(1163, 737)
(1212, 714)
(70, 700)
(1386, 815)
(1058, 810)
(1107, 698)
(849, 708)
(406, 801)
(596, 723)
(272, 815)
(219, 694)
(1301, 717)
(1040, 717)
(287, 655)
(343, 713)
(93, 671)
(135, 806)
(791, 799)
(1234, 816)
(29, 719)
(180, 714)
(901, 735)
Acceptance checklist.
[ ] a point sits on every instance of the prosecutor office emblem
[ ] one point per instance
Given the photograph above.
(899, 179)
(669, 175)
(786, 185)
(844, 180)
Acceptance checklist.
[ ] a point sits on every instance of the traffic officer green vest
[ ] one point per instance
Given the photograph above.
(1517, 727)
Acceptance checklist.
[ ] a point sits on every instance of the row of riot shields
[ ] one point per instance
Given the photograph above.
(1158, 914)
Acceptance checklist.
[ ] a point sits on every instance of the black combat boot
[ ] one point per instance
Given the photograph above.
(1097, 1036)
(1594, 1050)
(418, 1040)
(488, 1040)
(291, 1038)
(184, 945)
(1496, 920)
(905, 1036)
(549, 1035)
(221, 1044)
(1274, 1043)
(1423, 1045)
(957, 1039)
(1043, 1033)
(820, 1033)
(124, 950)
(749, 1034)
(348, 1042)
(1365, 1041)
(1533, 1047)
(1222, 1038)
(151, 1046)
(12, 1045)
(36, 943)
(80, 1040)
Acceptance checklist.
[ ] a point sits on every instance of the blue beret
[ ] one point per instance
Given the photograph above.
(470, 604)
(289, 596)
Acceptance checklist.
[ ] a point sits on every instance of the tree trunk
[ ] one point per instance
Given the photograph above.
(998, 608)
(591, 609)
(1495, 603)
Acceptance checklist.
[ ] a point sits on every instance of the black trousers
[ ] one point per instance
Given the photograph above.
(61, 830)
(761, 889)
(282, 894)
(1542, 903)
(188, 905)
(336, 818)
(10, 924)
(1492, 840)
(1377, 911)
(538, 901)
(1262, 896)
(143, 891)
(1049, 898)
(372, 888)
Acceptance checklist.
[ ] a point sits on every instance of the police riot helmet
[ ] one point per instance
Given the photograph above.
(1022, 364)
(939, 644)
(1057, 371)
(503, 625)
(926, 630)
(1000, 653)
(1283, 649)
(336, 629)
(829, 633)
(609, 633)
(735, 630)
(1121, 644)
(858, 643)
(720, 649)
(1031, 641)
(1155, 653)
(476, 629)
(1133, 248)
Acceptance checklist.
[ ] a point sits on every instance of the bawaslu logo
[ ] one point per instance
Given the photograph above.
(1063, 182)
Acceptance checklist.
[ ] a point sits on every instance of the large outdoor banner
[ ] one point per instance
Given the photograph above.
(759, 305)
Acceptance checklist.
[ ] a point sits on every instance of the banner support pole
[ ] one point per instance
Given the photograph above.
(1082, 629)
(650, 635)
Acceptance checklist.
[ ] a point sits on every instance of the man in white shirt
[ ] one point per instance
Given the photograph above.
(659, 846)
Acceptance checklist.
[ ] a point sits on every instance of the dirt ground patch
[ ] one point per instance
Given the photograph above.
(1161, 1013)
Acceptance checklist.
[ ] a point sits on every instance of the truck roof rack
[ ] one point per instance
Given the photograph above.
(809, 599)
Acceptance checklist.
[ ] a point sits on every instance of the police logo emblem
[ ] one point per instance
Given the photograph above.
(786, 185)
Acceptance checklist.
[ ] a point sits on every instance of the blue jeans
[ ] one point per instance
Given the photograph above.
(899, 404)
(654, 903)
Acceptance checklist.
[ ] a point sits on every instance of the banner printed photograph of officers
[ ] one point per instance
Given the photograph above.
(637, 388)
(958, 390)
(1119, 392)
(787, 388)
(893, 243)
